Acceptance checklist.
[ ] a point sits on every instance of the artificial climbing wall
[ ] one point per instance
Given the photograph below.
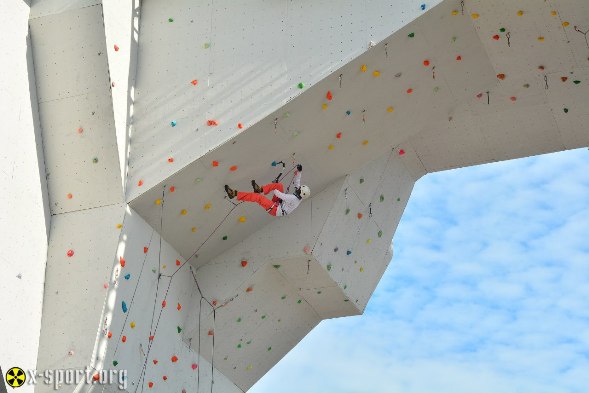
(24, 213)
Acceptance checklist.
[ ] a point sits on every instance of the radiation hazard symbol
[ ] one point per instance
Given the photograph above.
(15, 377)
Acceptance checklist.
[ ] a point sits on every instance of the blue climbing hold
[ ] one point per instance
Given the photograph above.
(173, 123)
(348, 113)
(274, 163)
(127, 276)
(423, 7)
(124, 306)
(349, 252)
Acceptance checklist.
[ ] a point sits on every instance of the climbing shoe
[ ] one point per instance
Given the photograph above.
(257, 189)
(230, 193)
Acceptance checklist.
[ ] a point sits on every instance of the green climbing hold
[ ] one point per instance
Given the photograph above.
(345, 286)
(95, 160)
(170, 20)
(269, 349)
(283, 297)
(249, 342)
(153, 270)
(576, 82)
(114, 363)
(207, 45)
(318, 292)
(361, 180)
(347, 211)
(566, 110)
(238, 319)
(329, 267)
(263, 317)
(379, 233)
(381, 198)
(301, 85)
(225, 237)
(276, 266)
(398, 199)
(299, 301)
(436, 89)
(179, 329)
(411, 35)
(502, 30)
(239, 346)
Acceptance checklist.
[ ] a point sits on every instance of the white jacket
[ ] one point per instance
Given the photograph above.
(289, 201)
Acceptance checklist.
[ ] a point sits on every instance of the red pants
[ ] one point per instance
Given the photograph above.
(269, 205)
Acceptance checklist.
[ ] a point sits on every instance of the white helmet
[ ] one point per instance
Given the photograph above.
(305, 192)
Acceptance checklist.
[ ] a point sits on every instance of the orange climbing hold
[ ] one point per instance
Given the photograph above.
(109, 334)
(172, 189)
(249, 289)
(174, 359)
(69, 196)
(122, 261)
(426, 63)
(329, 96)
(233, 168)
(239, 125)
(179, 307)
(212, 123)
(360, 215)
(171, 160)
(164, 304)
(501, 76)
(124, 339)
(211, 332)
(194, 82)
(140, 183)
(243, 263)
(215, 163)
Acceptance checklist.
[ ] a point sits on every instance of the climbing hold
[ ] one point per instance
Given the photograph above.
(179, 329)
(233, 168)
(276, 266)
(124, 306)
(576, 82)
(283, 297)
(151, 339)
(211, 332)
(242, 219)
(173, 123)
(513, 98)
(174, 359)
(361, 269)
(225, 237)
(269, 349)
(501, 76)
(80, 130)
(164, 266)
(474, 15)
(165, 378)
(239, 346)
(249, 367)
(520, 13)
(119, 226)
(95, 160)
(347, 211)
(299, 301)
(206, 45)
(390, 109)
(179, 307)
(361, 180)
(363, 68)
(215, 163)
(376, 74)
(458, 58)
(496, 37)
(70, 253)
(398, 199)
(328, 267)
(164, 303)
(349, 252)
(140, 183)
(541, 39)
(240, 126)
(158, 202)
(563, 78)
(565, 24)
(183, 212)
(368, 241)
(422, 7)
(194, 366)
(96, 377)
(109, 335)
(214, 302)
(274, 163)
(455, 12)
(263, 317)
(105, 285)
(411, 35)
(409, 91)
(243, 263)
(178, 263)
(379, 233)
(541, 68)
(360, 215)
(212, 123)
(338, 135)
(526, 85)
(436, 89)
(132, 324)
(502, 30)
(249, 289)
(122, 261)
(566, 110)
(193, 229)
(172, 189)
(301, 85)
(381, 198)
(114, 363)
(150, 384)
(401, 152)
(116, 48)
(307, 249)
(194, 82)
(553, 13)
(124, 339)
(171, 160)
(324, 106)
(329, 96)
(127, 276)
(170, 20)
(426, 63)
(330, 147)
(69, 196)
(154, 360)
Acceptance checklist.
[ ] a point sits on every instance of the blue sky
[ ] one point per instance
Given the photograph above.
(488, 292)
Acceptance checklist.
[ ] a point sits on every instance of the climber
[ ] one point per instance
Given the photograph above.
(281, 203)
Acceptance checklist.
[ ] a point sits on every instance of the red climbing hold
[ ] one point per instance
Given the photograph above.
(249, 289)
(151, 339)
(233, 168)
(164, 304)
(140, 183)
(541, 68)
(109, 335)
(150, 384)
(154, 361)
(513, 98)
(178, 263)
(69, 196)
(194, 366)
(338, 135)
(401, 152)
(501, 76)
(174, 359)
(239, 125)
(116, 48)
(215, 163)
(145, 249)
(80, 130)
(211, 332)
(70, 253)
(172, 189)
(194, 82)
(171, 160)
(458, 58)
(360, 215)
(212, 123)
(214, 302)
(329, 96)
(124, 339)
(480, 95)
(122, 261)
(96, 377)
(496, 37)
(563, 78)
(409, 91)
(426, 63)
(243, 263)
(179, 307)
(165, 378)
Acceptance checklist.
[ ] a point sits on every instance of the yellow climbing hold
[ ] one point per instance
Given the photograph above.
(158, 201)
(361, 269)
(207, 206)
(565, 24)
(455, 12)
(390, 109)
(330, 147)
(376, 74)
(365, 142)
(193, 229)
(541, 39)
(183, 212)
(474, 15)
(368, 241)
(249, 367)
(119, 226)
(553, 13)
(324, 106)
(520, 13)
(164, 266)
(132, 324)
(242, 219)
(363, 68)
